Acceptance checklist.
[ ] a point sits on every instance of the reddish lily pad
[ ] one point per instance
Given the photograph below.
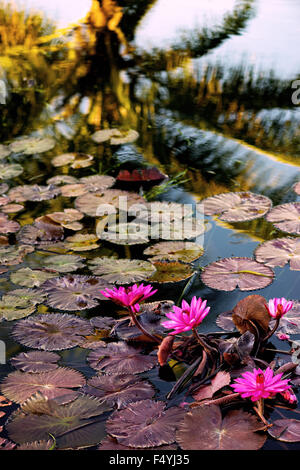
(78, 424)
(230, 273)
(237, 207)
(121, 271)
(177, 251)
(279, 252)
(286, 217)
(119, 358)
(119, 390)
(286, 430)
(109, 443)
(8, 226)
(141, 176)
(35, 361)
(222, 379)
(19, 386)
(74, 292)
(251, 310)
(145, 424)
(33, 193)
(51, 331)
(205, 429)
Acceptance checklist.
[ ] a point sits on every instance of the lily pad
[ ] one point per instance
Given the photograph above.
(279, 252)
(286, 217)
(78, 424)
(8, 226)
(95, 203)
(37, 445)
(73, 190)
(120, 359)
(64, 263)
(126, 234)
(185, 229)
(251, 310)
(82, 242)
(40, 233)
(115, 136)
(62, 179)
(204, 429)
(97, 182)
(75, 160)
(10, 170)
(178, 251)
(230, 273)
(35, 361)
(225, 322)
(237, 207)
(119, 390)
(171, 271)
(66, 217)
(145, 424)
(3, 188)
(30, 277)
(104, 135)
(109, 443)
(34, 296)
(12, 208)
(4, 151)
(163, 211)
(296, 188)
(141, 175)
(12, 255)
(33, 193)
(31, 145)
(51, 331)
(19, 386)
(286, 430)
(121, 271)
(13, 307)
(74, 292)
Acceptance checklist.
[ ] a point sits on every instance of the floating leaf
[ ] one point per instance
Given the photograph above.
(12, 255)
(74, 292)
(185, 229)
(286, 217)
(178, 251)
(230, 273)
(97, 182)
(51, 331)
(126, 234)
(35, 361)
(237, 207)
(171, 271)
(64, 263)
(119, 390)
(119, 358)
(141, 177)
(31, 145)
(251, 310)
(8, 226)
(145, 424)
(62, 179)
(19, 386)
(12, 208)
(90, 203)
(286, 430)
(40, 233)
(10, 170)
(13, 307)
(296, 188)
(102, 323)
(110, 443)
(78, 424)
(3, 188)
(30, 277)
(66, 217)
(73, 190)
(4, 151)
(36, 445)
(115, 136)
(33, 193)
(104, 135)
(225, 322)
(82, 242)
(128, 138)
(167, 211)
(279, 252)
(75, 160)
(204, 429)
(122, 271)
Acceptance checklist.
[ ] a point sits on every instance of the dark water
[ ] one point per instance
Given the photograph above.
(215, 103)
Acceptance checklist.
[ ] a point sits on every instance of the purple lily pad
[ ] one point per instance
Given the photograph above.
(119, 358)
(40, 232)
(19, 386)
(109, 443)
(35, 361)
(279, 252)
(225, 322)
(33, 193)
(74, 292)
(145, 424)
(230, 273)
(286, 430)
(237, 207)
(204, 429)
(8, 226)
(286, 217)
(51, 331)
(119, 390)
(37, 445)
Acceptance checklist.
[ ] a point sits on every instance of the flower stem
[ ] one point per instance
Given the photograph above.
(208, 349)
(271, 332)
(140, 327)
(259, 410)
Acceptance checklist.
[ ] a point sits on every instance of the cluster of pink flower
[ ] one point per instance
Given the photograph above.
(257, 384)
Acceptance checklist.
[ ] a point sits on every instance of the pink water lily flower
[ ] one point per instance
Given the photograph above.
(278, 307)
(129, 297)
(187, 316)
(260, 384)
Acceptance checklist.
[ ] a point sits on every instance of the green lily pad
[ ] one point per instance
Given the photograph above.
(13, 307)
(30, 277)
(31, 145)
(64, 263)
(82, 242)
(122, 271)
(10, 170)
(12, 255)
(4, 151)
(178, 251)
(171, 271)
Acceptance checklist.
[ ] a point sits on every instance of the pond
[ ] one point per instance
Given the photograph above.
(148, 145)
